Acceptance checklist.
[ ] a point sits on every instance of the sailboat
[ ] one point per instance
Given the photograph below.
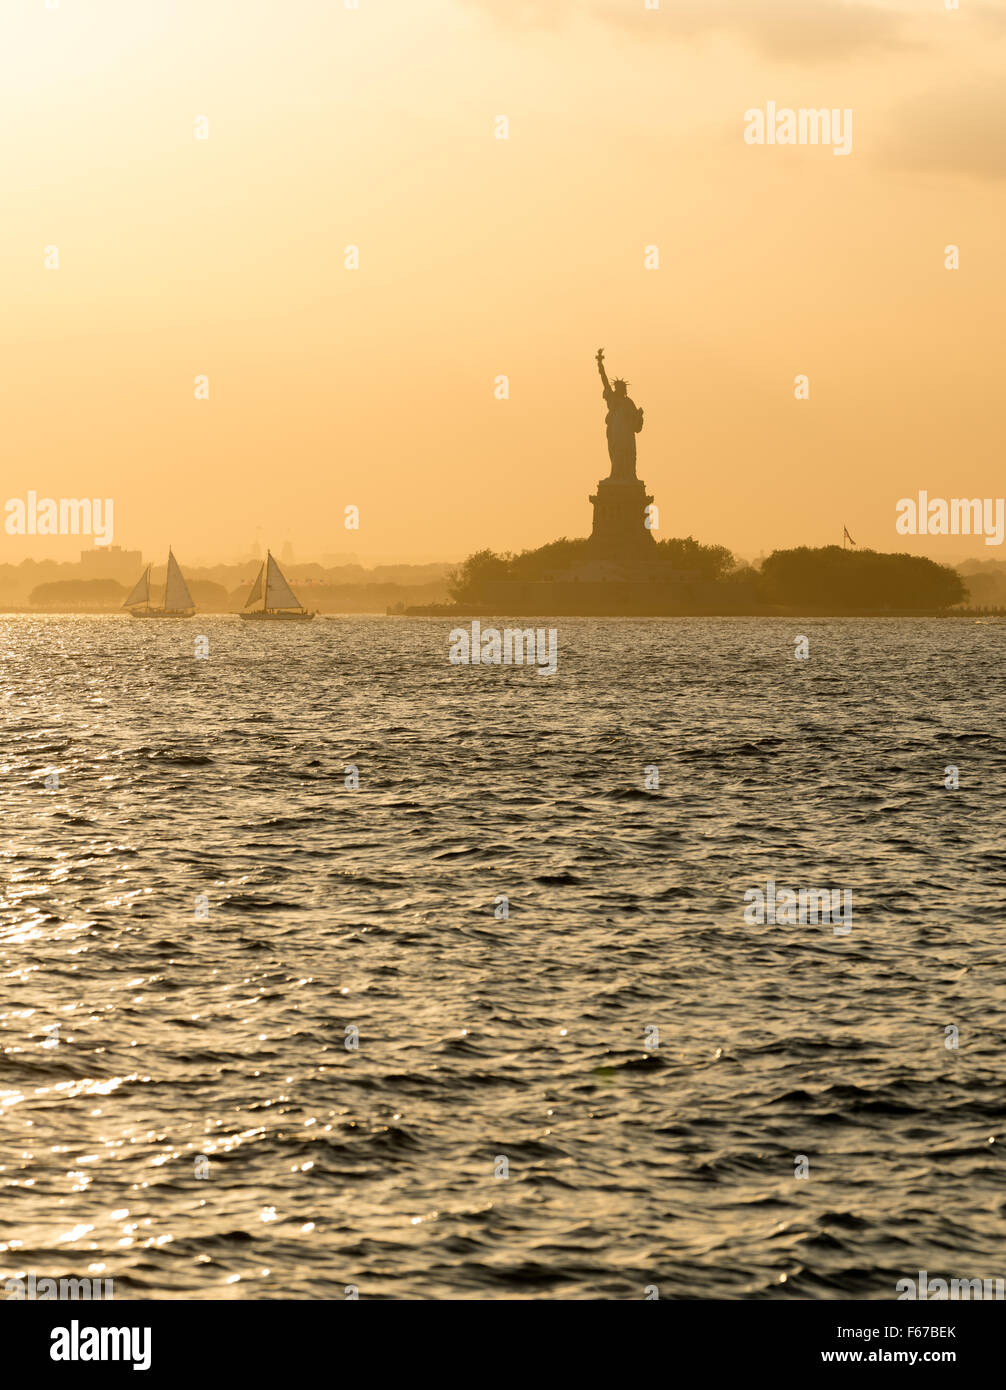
(177, 599)
(274, 593)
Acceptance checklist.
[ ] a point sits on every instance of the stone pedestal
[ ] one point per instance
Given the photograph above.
(620, 530)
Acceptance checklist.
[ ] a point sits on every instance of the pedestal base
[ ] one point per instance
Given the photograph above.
(620, 531)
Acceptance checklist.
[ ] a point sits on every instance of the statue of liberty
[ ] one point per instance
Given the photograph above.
(623, 421)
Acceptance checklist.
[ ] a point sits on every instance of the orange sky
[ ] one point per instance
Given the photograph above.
(480, 256)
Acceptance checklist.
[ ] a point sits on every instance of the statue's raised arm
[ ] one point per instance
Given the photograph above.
(623, 422)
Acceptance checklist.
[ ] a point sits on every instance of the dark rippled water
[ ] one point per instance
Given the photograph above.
(137, 1038)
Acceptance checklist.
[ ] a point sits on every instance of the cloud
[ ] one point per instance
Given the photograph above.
(796, 30)
(959, 130)
(993, 19)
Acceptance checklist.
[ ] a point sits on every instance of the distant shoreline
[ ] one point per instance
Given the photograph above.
(467, 614)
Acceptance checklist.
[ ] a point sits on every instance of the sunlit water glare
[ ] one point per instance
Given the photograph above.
(137, 1038)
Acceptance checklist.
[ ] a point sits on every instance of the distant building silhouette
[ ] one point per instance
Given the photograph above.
(111, 562)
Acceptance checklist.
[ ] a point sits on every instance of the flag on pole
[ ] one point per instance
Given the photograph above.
(847, 537)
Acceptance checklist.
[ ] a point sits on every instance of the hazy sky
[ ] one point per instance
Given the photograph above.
(479, 257)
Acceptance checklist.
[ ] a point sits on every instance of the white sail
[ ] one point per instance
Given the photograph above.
(176, 591)
(278, 593)
(141, 591)
(257, 589)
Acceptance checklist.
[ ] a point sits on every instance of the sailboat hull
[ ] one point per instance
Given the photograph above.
(163, 613)
(280, 617)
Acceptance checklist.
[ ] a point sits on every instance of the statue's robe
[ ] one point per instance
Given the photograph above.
(623, 422)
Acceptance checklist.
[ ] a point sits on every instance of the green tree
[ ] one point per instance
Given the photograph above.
(78, 593)
(710, 561)
(553, 558)
(830, 577)
(465, 583)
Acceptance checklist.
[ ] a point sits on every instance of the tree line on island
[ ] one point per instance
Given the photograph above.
(822, 577)
(814, 579)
